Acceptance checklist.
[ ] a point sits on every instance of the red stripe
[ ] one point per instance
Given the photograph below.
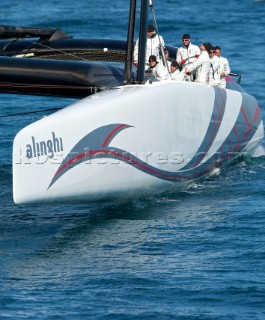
(229, 79)
(143, 166)
(256, 115)
(110, 136)
(247, 122)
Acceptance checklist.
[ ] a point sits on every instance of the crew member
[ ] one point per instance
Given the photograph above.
(224, 67)
(157, 69)
(152, 46)
(175, 72)
(214, 76)
(187, 54)
(201, 65)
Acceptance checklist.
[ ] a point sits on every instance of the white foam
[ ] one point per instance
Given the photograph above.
(257, 152)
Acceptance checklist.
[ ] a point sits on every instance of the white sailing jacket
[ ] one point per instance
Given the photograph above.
(152, 48)
(177, 75)
(224, 68)
(214, 76)
(160, 72)
(202, 66)
(189, 54)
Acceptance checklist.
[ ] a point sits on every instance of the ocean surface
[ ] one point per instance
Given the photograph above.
(195, 254)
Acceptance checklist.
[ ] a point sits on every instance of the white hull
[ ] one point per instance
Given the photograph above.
(132, 141)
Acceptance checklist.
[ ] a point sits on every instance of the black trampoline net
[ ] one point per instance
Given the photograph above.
(88, 55)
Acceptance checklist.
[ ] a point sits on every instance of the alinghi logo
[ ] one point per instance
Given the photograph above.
(44, 148)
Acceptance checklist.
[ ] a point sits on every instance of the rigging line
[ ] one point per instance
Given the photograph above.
(7, 45)
(29, 112)
(56, 50)
(160, 44)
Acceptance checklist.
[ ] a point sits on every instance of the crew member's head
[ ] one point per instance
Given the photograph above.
(206, 46)
(217, 51)
(151, 31)
(174, 66)
(152, 61)
(186, 39)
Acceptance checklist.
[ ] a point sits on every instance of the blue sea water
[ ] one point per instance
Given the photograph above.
(195, 254)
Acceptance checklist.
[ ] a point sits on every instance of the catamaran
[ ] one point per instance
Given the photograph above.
(130, 137)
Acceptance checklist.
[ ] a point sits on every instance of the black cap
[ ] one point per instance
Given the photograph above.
(208, 46)
(152, 57)
(186, 36)
(175, 64)
(150, 28)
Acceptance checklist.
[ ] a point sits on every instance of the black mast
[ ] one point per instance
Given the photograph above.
(142, 41)
(129, 57)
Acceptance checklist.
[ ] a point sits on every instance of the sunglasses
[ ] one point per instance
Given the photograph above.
(152, 61)
(185, 39)
(211, 52)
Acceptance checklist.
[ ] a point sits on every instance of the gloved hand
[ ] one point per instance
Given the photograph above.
(135, 63)
(188, 73)
(183, 61)
(197, 56)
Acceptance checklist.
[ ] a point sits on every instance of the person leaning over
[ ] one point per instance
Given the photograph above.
(224, 67)
(152, 46)
(158, 70)
(202, 65)
(175, 72)
(187, 54)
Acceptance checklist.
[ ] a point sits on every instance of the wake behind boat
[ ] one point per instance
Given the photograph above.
(135, 139)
